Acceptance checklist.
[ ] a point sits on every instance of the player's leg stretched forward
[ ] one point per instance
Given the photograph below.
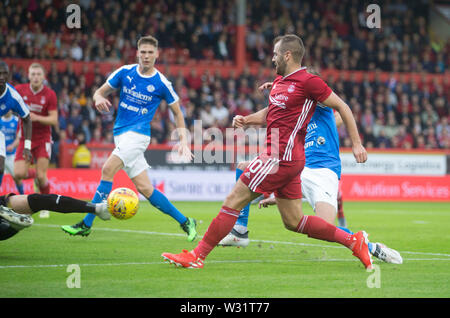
(144, 186)
(239, 234)
(292, 217)
(16, 210)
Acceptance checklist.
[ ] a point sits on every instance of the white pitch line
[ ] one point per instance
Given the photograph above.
(254, 240)
(210, 262)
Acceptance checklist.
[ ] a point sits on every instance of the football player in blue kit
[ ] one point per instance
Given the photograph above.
(8, 126)
(142, 88)
(10, 99)
(319, 180)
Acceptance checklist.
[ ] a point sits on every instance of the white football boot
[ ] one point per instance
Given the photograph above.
(387, 254)
(101, 210)
(18, 221)
(234, 238)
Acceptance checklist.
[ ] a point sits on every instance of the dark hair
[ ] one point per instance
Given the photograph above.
(292, 43)
(148, 39)
(3, 64)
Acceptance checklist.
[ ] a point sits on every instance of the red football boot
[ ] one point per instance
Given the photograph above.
(185, 259)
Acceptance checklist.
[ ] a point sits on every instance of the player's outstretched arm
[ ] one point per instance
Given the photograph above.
(266, 85)
(27, 130)
(100, 101)
(183, 149)
(335, 102)
(258, 118)
(338, 119)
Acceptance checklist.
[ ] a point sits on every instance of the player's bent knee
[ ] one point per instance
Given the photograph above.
(19, 175)
(108, 172)
(242, 165)
(290, 226)
(146, 191)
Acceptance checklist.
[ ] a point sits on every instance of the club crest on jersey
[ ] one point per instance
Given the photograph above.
(3, 107)
(291, 88)
(320, 140)
(43, 100)
(150, 88)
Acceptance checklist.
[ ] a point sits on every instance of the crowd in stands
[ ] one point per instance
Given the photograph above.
(335, 31)
(397, 113)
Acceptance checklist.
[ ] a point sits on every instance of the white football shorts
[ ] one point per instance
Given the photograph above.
(2, 145)
(320, 185)
(130, 148)
(9, 164)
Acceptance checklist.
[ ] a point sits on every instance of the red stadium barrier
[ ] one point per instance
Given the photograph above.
(395, 188)
(82, 183)
(77, 183)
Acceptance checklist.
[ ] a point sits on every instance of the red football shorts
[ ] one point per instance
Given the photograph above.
(41, 149)
(268, 175)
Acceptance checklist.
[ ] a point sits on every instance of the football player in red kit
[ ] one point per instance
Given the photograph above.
(292, 102)
(42, 102)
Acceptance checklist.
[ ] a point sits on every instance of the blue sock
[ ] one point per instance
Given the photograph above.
(103, 189)
(159, 201)
(243, 216)
(370, 245)
(345, 229)
(20, 188)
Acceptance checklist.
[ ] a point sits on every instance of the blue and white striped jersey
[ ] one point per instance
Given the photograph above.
(140, 97)
(10, 99)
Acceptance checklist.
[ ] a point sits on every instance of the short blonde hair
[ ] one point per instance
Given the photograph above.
(36, 65)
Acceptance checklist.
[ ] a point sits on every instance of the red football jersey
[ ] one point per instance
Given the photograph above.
(292, 102)
(40, 103)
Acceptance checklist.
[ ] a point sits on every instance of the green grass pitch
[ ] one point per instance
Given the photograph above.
(123, 258)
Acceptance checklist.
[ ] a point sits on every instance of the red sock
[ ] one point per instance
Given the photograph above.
(320, 229)
(220, 226)
(31, 173)
(45, 189)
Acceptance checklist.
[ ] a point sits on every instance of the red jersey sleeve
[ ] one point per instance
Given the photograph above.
(316, 89)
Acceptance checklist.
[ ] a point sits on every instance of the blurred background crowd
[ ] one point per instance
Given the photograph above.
(395, 113)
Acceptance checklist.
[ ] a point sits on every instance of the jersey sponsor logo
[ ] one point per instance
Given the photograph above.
(36, 107)
(276, 102)
(309, 144)
(129, 107)
(137, 94)
(311, 126)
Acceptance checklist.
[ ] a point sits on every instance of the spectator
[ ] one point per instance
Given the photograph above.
(206, 116)
(220, 113)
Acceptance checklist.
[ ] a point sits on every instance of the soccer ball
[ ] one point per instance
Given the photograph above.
(123, 203)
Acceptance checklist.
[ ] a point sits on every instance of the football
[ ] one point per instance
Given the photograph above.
(123, 203)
